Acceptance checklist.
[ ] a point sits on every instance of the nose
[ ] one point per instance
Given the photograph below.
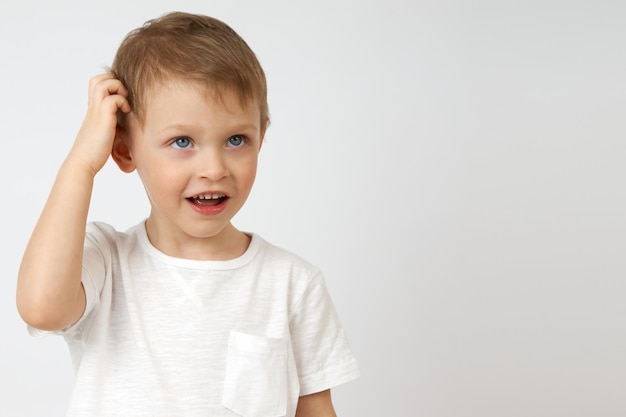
(212, 165)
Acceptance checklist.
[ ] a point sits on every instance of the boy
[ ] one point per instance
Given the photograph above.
(183, 314)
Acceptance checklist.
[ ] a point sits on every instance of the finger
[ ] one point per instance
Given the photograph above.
(111, 104)
(106, 88)
(110, 86)
(106, 84)
(93, 81)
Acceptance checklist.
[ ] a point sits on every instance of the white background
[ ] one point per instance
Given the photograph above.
(456, 168)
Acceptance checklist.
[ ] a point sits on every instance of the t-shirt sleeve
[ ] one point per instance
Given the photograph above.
(96, 263)
(96, 257)
(322, 353)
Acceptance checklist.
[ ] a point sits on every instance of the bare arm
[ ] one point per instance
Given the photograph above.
(49, 291)
(316, 405)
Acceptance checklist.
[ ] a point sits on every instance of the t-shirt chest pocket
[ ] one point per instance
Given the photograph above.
(255, 382)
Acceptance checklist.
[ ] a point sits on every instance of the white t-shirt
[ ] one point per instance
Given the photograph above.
(164, 336)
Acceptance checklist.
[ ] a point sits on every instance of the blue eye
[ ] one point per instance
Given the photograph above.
(236, 141)
(182, 142)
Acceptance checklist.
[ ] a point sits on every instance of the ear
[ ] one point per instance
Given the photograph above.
(121, 151)
(263, 130)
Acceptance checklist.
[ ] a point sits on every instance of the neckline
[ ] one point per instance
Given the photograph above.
(243, 259)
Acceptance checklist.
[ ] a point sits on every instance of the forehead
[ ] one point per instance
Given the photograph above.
(192, 101)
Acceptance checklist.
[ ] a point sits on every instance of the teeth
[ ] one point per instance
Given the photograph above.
(209, 196)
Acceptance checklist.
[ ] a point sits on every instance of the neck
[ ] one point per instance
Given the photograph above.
(230, 243)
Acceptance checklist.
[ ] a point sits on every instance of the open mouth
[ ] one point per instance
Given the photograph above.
(207, 200)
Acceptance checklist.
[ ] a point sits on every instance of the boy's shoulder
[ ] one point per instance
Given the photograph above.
(100, 234)
(276, 253)
(99, 227)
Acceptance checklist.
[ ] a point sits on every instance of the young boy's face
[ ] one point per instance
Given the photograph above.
(196, 155)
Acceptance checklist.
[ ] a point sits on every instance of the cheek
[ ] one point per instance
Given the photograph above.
(249, 174)
(152, 166)
(158, 178)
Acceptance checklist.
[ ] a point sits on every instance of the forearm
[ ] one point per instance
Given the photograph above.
(316, 405)
(49, 292)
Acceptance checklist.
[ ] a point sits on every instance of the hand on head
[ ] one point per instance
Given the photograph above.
(95, 138)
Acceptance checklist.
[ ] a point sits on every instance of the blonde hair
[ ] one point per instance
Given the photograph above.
(189, 47)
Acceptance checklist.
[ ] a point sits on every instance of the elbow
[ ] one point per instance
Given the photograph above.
(42, 314)
(39, 318)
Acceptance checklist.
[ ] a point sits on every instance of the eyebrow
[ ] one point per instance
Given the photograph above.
(235, 127)
(244, 126)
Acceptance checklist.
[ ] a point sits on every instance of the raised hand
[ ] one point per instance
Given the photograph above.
(49, 291)
(94, 141)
